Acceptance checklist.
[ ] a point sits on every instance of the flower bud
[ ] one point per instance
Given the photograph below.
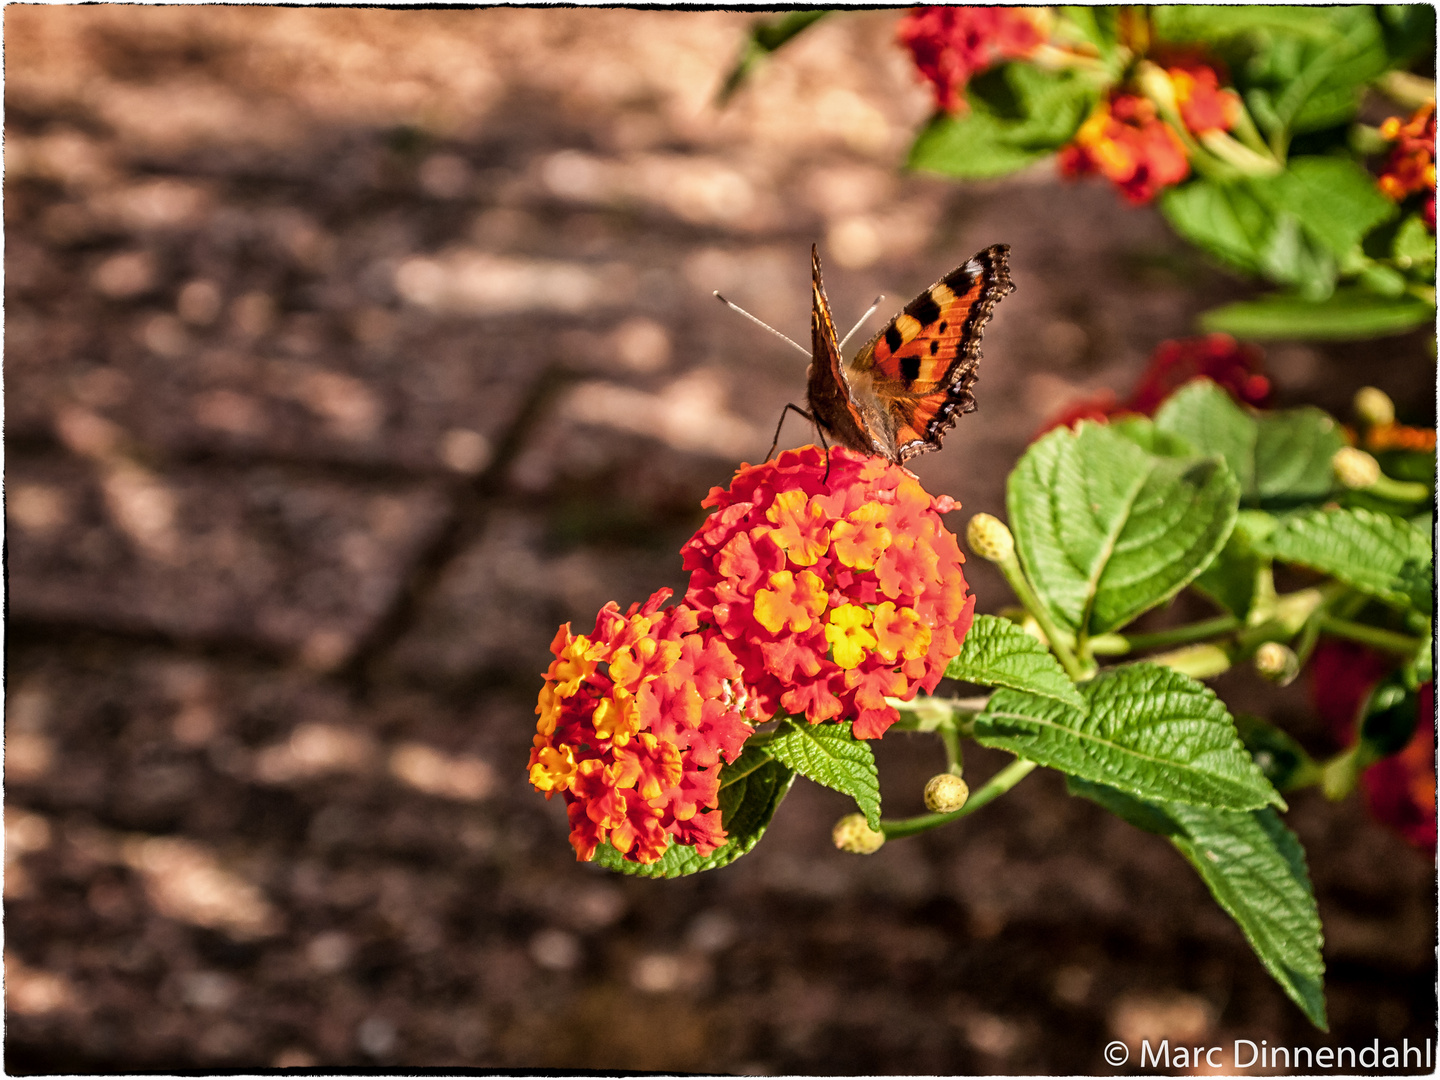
(853, 834)
(1355, 468)
(1277, 662)
(990, 538)
(1374, 407)
(945, 793)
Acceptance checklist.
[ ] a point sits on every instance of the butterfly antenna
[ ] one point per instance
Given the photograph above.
(758, 322)
(861, 323)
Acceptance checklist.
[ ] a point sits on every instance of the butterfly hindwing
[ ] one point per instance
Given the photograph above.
(915, 375)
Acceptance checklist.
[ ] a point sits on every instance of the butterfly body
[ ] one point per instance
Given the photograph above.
(909, 384)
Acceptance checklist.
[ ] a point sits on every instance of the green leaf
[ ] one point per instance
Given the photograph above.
(1350, 314)
(1282, 459)
(765, 37)
(1107, 531)
(1414, 247)
(1016, 115)
(1255, 868)
(1226, 220)
(1292, 457)
(1215, 23)
(1230, 580)
(831, 756)
(1141, 430)
(996, 652)
(751, 788)
(1368, 551)
(1207, 418)
(1150, 731)
(1315, 81)
(1417, 580)
(1409, 31)
(1334, 199)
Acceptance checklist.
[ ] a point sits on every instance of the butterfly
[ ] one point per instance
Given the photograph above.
(905, 389)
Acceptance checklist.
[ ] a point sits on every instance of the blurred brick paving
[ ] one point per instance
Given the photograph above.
(348, 352)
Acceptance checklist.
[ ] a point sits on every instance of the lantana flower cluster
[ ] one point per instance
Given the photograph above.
(1127, 142)
(950, 44)
(1410, 167)
(635, 720)
(819, 585)
(834, 595)
(1236, 368)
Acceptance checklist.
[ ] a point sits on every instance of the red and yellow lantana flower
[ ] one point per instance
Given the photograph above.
(635, 720)
(1410, 168)
(833, 594)
(950, 44)
(1125, 141)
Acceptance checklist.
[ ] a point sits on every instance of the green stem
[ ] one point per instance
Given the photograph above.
(1388, 640)
(1400, 490)
(1016, 577)
(954, 755)
(1183, 635)
(1203, 661)
(996, 786)
(1406, 89)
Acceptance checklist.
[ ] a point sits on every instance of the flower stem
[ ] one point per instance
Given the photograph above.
(1388, 640)
(1197, 661)
(1183, 635)
(1400, 490)
(1010, 567)
(996, 786)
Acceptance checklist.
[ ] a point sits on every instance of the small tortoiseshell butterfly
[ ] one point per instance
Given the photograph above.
(909, 385)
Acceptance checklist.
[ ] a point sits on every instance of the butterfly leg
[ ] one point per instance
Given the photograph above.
(790, 406)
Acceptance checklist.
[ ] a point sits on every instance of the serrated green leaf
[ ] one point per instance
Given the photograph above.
(1141, 430)
(1282, 459)
(1255, 868)
(1366, 550)
(1150, 731)
(1107, 531)
(751, 788)
(1226, 220)
(1215, 23)
(996, 652)
(1323, 86)
(1208, 419)
(1231, 578)
(1293, 452)
(1335, 200)
(832, 757)
(1349, 314)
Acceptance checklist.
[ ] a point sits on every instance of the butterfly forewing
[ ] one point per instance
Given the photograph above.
(919, 369)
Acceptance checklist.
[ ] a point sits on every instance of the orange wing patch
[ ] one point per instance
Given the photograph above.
(920, 368)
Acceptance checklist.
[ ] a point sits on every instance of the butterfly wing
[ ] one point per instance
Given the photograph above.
(913, 380)
(832, 405)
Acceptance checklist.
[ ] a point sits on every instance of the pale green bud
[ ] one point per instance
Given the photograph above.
(853, 834)
(945, 793)
(1277, 662)
(1355, 468)
(990, 538)
(1374, 407)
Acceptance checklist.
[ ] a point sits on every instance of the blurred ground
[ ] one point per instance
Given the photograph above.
(350, 351)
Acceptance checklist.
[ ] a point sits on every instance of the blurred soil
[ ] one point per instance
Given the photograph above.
(348, 352)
